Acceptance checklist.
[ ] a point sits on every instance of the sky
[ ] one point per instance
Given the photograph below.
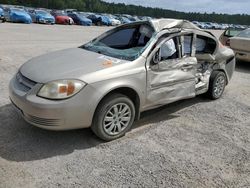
(209, 6)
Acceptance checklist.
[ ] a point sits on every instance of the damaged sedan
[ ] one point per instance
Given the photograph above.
(106, 83)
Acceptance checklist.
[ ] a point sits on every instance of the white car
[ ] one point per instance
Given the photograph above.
(114, 21)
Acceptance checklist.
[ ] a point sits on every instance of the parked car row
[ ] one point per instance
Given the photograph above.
(28, 15)
(2, 18)
(210, 25)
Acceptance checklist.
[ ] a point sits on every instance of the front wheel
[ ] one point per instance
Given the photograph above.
(114, 117)
(217, 84)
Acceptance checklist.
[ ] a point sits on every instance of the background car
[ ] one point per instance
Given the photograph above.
(80, 19)
(241, 45)
(42, 16)
(227, 34)
(99, 20)
(198, 24)
(124, 20)
(17, 15)
(2, 18)
(62, 18)
(113, 20)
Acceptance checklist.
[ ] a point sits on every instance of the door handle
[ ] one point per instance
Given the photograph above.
(186, 67)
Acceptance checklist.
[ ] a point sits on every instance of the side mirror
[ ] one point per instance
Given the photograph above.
(157, 57)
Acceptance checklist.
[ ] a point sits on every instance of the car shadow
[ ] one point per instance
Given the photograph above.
(242, 66)
(20, 141)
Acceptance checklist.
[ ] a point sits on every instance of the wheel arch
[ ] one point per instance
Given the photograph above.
(131, 93)
(218, 68)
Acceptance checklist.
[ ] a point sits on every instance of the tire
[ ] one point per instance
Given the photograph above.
(98, 23)
(217, 84)
(109, 129)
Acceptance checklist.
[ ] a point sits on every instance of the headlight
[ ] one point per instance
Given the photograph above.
(61, 89)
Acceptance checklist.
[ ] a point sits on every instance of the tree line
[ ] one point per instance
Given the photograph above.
(121, 8)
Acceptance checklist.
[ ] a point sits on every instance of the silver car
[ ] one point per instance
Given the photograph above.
(106, 83)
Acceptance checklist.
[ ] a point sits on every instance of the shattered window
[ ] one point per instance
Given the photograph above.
(205, 45)
(168, 50)
(200, 44)
(119, 39)
(123, 43)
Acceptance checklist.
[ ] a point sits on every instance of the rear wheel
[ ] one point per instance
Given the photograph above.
(217, 85)
(114, 117)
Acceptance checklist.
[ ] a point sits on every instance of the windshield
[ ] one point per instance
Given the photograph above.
(231, 32)
(124, 43)
(244, 34)
(42, 12)
(17, 10)
(60, 14)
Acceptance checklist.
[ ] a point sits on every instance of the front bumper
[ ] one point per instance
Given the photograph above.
(46, 21)
(2, 18)
(73, 113)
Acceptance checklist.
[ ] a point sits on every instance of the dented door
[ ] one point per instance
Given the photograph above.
(171, 79)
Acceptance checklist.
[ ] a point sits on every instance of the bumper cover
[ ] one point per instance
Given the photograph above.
(52, 114)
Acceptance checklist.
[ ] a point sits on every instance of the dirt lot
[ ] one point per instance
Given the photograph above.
(192, 143)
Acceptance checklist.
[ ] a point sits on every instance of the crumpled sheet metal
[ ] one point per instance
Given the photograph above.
(169, 82)
(161, 24)
(224, 52)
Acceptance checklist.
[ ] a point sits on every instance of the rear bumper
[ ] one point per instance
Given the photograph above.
(51, 114)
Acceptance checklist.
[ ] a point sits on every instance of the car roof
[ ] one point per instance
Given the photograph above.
(161, 24)
(168, 24)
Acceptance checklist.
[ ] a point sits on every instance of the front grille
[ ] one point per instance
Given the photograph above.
(42, 121)
(24, 83)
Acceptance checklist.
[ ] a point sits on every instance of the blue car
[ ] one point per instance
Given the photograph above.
(2, 18)
(80, 19)
(41, 16)
(99, 19)
(106, 20)
(125, 20)
(1, 12)
(19, 16)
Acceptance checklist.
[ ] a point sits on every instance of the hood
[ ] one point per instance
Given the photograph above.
(66, 64)
(63, 17)
(19, 13)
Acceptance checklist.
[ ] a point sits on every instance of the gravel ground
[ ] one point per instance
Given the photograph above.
(191, 143)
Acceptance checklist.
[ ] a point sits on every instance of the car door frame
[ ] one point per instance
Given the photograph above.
(169, 88)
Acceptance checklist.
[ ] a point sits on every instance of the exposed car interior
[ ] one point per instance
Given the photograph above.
(124, 43)
(132, 37)
(205, 45)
